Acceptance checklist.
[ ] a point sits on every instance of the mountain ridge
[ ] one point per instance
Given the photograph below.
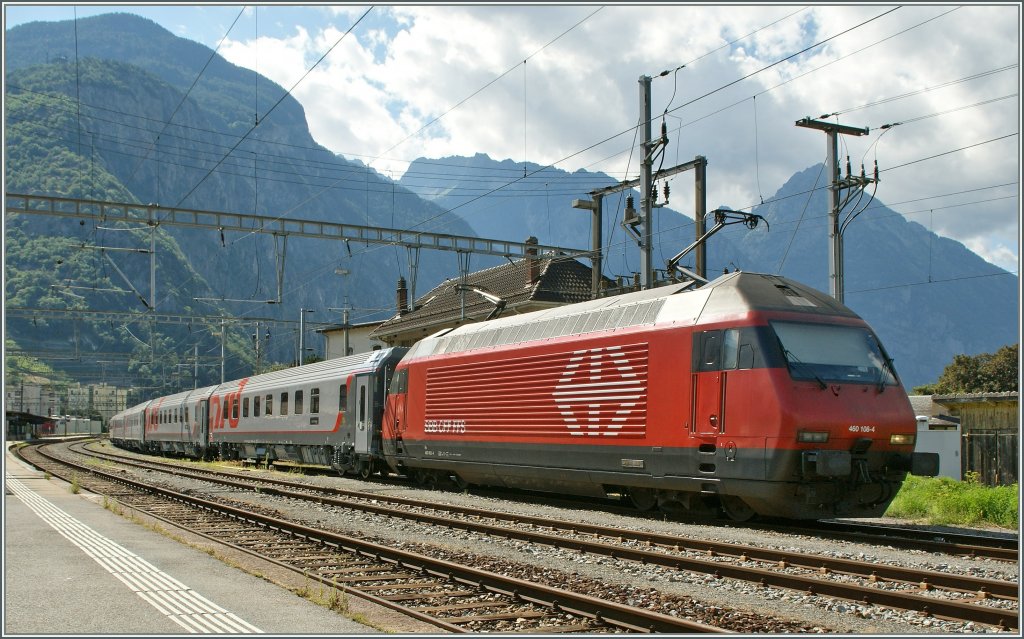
(133, 75)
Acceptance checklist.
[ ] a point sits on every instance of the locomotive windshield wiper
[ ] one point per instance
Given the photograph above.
(793, 359)
(886, 367)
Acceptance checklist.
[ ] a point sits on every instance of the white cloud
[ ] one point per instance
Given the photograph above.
(581, 89)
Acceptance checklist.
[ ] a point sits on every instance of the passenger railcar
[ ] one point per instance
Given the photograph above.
(177, 425)
(753, 394)
(327, 413)
(127, 429)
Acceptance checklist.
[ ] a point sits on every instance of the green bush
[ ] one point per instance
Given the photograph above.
(941, 500)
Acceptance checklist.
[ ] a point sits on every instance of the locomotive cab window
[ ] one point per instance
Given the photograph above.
(730, 349)
(830, 353)
(711, 350)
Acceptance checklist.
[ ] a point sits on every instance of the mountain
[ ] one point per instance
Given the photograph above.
(132, 119)
(140, 115)
(922, 293)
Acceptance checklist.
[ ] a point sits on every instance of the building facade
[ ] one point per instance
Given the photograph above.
(990, 433)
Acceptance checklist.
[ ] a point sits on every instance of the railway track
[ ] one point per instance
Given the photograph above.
(452, 596)
(1000, 548)
(945, 595)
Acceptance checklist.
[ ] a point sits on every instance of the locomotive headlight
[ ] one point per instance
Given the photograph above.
(812, 436)
(902, 439)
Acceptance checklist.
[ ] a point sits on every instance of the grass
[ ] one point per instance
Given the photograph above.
(944, 501)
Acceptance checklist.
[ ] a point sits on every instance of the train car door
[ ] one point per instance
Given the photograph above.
(202, 414)
(708, 384)
(363, 413)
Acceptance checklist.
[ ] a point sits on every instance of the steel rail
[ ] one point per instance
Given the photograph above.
(612, 613)
(908, 601)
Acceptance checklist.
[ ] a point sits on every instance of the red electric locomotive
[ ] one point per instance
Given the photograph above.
(754, 394)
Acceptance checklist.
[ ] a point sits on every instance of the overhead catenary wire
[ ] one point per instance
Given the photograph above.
(287, 94)
(188, 92)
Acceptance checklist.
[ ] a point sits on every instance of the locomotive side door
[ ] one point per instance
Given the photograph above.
(363, 414)
(393, 421)
(708, 384)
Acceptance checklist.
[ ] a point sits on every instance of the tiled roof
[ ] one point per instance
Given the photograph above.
(965, 398)
(559, 281)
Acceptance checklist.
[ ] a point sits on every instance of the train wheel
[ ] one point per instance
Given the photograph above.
(365, 470)
(459, 482)
(643, 499)
(736, 509)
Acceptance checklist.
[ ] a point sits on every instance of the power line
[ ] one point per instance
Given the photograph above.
(213, 54)
(271, 110)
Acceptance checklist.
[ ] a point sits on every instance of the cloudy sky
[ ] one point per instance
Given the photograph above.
(559, 85)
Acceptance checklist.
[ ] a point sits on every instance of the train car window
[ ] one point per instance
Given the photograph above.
(343, 398)
(186, 414)
(283, 410)
(746, 357)
(362, 403)
(270, 405)
(245, 407)
(234, 408)
(256, 406)
(298, 402)
(314, 401)
(730, 349)
(399, 382)
(225, 403)
(711, 351)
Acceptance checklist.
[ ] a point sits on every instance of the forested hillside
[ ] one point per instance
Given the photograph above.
(139, 115)
(129, 122)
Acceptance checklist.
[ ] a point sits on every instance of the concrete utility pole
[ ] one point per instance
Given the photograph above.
(302, 333)
(836, 184)
(223, 336)
(646, 203)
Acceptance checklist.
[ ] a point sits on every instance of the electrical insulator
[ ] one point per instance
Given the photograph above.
(848, 172)
(654, 193)
(863, 175)
(666, 191)
(629, 202)
(664, 130)
(876, 170)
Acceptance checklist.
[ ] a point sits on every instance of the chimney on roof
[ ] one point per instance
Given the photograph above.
(532, 264)
(402, 296)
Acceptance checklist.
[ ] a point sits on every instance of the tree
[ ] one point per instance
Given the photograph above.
(984, 373)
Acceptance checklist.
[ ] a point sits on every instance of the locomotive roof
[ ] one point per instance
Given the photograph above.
(731, 295)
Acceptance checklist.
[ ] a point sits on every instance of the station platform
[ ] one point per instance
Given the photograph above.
(74, 567)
